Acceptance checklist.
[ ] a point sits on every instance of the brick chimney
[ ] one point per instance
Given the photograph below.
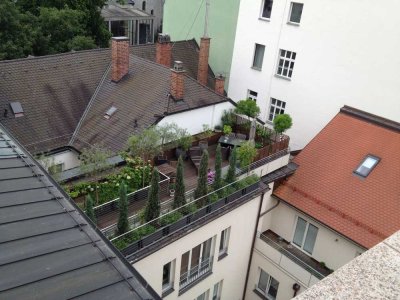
(177, 81)
(164, 50)
(202, 72)
(119, 58)
(220, 84)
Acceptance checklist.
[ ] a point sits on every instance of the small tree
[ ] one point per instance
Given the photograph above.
(89, 209)
(152, 209)
(247, 107)
(184, 139)
(231, 175)
(218, 163)
(201, 189)
(227, 129)
(179, 197)
(247, 152)
(146, 144)
(123, 223)
(282, 123)
(93, 163)
(168, 133)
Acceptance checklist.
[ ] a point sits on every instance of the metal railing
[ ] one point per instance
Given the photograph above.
(195, 273)
(293, 258)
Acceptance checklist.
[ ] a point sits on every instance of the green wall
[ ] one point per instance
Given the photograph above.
(181, 23)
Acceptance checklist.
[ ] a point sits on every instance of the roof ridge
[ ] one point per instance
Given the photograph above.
(370, 118)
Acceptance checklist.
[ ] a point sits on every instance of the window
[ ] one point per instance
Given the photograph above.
(266, 9)
(217, 291)
(223, 243)
(286, 63)
(276, 107)
(367, 165)
(110, 112)
(152, 12)
(258, 56)
(203, 296)
(267, 285)
(55, 169)
(295, 12)
(17, 109)
(305, 235)
(252, 95)
(168, 276)
(144, 5)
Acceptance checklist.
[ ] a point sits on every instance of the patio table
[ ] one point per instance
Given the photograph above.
(230, 141)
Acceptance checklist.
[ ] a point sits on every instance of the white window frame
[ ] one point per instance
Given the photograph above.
(206, 295)
(224, 239)
(250, 96)
(217, 291)
(276, 108)
(284, 59)
(290, 13)
(262, 10)
(304, 235)
(254, 57)
(170, 284)
(269, 280)
(201, 258)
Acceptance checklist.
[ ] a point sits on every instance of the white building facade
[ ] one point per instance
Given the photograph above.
(308, 58)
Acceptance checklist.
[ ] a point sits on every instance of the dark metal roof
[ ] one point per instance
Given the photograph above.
(48, 248)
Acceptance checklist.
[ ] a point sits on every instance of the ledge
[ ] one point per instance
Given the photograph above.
(222, 256)
(259, 294)
(167, 292)
(283, 77)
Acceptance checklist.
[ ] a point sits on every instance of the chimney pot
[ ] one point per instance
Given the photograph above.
(163, 50)
(178, 66)
(119, 58)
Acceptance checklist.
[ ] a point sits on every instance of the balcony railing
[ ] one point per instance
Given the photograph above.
(295, 255)
(196, 273)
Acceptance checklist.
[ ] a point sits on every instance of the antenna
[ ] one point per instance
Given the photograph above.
(206, 18)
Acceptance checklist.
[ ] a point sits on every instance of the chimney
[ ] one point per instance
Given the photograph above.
(177, 80)
(119, 58)
(202, 73)
(220, 84)
(164, 50)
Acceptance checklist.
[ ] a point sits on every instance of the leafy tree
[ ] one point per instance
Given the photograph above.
(146, 144)
(201, 189)
(231, 175)
(247, 152)
(152, 209)
(227, 118)
(184, 139)
(282, 123)
(248, 107)
(123, 223)
(218, 164)
(179, 197)
(89, 209)
(81, 43)
(168, 133)
(93, 163)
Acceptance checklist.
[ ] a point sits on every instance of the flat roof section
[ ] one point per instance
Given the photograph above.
(48, 248)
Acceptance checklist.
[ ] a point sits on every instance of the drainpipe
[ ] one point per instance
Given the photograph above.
(259, 215)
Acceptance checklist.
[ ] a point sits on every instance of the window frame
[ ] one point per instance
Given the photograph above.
(262, 10)
(224, 242)
(276, 108)
(253, 66)
(265, 292)
(376, 162)
(201, 258)
(54, 169)
(250, 96)
(285, 59)
(290, 13)
(304, 235)
(217, 291)
(170, 284)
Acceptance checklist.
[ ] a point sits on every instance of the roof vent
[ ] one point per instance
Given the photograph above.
(16, 108)
(110, 112)
(178, 66)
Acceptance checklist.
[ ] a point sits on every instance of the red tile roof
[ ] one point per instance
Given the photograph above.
(366, 210)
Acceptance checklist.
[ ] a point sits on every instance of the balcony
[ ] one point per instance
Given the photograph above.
(291, 259)
(195, 274)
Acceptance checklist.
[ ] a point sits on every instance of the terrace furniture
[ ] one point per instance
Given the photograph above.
(230, 142)
(241, 136)
(225, 153)
(203, 145)
(167, 169)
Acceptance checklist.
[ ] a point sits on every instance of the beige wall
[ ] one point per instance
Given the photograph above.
(231, 269)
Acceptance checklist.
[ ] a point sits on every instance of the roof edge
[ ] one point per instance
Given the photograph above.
(371, 118)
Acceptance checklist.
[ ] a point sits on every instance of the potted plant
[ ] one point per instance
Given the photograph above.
(168, 134)
(227, 131)
(184, 142)
(171, 189)
(282, 123)
(218, 128)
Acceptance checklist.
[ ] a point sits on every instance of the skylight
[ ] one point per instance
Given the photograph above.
(110, 112)
(369, 162)
(16, 107)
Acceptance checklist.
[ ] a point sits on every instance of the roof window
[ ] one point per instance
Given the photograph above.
(110, 112)
(366, 166)
(16, 107)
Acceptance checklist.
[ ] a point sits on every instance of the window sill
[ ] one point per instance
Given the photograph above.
(167, 292)
(293, 23)
(257, 69)
(283, 77)
(260, 294)
(222, 255)
(264, 19)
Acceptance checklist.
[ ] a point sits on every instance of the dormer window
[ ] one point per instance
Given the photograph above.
(366, 166)
(110, 112)
(16, 108)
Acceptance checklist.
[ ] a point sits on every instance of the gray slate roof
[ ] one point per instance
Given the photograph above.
(48, 248)
(55, 90)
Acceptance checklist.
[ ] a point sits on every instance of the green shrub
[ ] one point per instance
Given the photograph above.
(214, 197)
(170, 218)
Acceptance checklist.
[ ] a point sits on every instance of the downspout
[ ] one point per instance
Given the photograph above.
(259, 214)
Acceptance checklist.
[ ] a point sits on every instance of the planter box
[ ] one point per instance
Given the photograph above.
(218, 204)
(131, 248)
(252, 187)
(152, 237)
(177, 225)
(234, 196)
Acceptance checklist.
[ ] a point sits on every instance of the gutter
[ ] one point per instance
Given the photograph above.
(260, 214)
